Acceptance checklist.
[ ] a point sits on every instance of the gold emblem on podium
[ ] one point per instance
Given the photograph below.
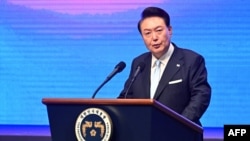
(93, 124)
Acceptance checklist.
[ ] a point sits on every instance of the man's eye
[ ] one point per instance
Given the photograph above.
(147, 34)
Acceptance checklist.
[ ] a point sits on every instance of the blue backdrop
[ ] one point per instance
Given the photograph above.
(66, 48)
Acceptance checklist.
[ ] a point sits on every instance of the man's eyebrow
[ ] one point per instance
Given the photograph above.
(158, 27)
(150, 29)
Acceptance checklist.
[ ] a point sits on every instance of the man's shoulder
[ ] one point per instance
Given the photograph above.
(187, 52)
(144, 57)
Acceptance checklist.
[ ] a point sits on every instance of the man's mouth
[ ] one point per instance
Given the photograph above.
(156, 45)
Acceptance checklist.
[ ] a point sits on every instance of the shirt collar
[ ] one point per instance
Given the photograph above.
(165, 57)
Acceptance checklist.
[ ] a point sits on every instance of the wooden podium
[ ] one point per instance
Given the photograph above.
(132, 119)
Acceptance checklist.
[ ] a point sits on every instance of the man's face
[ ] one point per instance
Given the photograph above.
(156, 35)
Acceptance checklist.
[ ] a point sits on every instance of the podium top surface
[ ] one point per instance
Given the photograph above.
(98, 101)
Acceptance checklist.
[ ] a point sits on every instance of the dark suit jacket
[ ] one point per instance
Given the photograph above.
(190, 97)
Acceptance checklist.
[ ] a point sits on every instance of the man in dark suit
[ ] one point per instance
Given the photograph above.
(183, 84)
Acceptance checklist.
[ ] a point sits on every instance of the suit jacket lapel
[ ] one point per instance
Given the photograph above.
(173, 66)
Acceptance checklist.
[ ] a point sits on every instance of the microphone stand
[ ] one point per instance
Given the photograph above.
(93, 96)
(130, 84)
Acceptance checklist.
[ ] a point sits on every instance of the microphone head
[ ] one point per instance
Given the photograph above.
(141, 66)
(120, 66)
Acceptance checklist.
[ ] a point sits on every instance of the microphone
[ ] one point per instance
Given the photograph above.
(118, 68)
(139, 69)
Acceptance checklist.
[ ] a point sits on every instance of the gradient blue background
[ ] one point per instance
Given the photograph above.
(49, 53)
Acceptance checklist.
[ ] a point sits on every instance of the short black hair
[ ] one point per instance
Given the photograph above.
(154, 12)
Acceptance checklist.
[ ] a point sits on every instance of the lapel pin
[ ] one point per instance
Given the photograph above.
(178, 65)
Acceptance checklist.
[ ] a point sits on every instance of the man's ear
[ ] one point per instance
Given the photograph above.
(170, 29)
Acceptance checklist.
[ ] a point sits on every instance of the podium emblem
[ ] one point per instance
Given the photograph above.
(93, 124)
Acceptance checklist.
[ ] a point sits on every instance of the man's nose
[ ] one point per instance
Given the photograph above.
(154, 36)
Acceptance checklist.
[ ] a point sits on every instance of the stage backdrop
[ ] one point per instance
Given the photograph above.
(66, 48)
